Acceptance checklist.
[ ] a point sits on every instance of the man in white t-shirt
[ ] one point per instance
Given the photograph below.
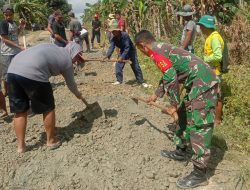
(189, 31)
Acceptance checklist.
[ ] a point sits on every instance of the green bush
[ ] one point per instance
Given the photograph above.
(236, 111)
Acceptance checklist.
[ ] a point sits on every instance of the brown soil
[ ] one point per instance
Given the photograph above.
(119, 150)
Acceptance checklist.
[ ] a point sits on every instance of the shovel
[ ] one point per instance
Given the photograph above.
(164, 109)
(108, 60)
(92, 111)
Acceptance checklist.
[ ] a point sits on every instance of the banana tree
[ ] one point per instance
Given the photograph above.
(31, 11)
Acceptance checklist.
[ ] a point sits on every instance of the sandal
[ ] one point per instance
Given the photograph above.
(54, 146)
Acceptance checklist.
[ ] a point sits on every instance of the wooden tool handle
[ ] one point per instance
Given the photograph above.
(24, 42)
(163, 108)
(108, 60)
(151, 103)
(85, 102)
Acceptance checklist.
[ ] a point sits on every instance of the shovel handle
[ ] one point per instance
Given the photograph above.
(151, 103)
(24, 42)
(109, 60)
(163, 108)
(85, 102)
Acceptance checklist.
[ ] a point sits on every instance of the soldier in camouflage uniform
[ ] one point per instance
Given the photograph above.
(197, 111)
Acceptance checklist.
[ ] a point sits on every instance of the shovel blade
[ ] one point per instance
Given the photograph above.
(135, 100)
(92, 112)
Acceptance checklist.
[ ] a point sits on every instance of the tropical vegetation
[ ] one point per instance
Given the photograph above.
(159, 16)
(37, 11)
(233, 17)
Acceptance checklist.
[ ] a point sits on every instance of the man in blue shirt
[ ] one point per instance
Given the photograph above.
(127, 51)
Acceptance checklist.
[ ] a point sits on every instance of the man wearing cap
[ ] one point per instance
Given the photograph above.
(189, 31)
(127, 50)
(96, 30)
(28, 84)
(59, 30)
(75, 28)
(213, 53)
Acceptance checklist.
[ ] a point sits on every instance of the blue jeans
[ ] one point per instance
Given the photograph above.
(134, 66)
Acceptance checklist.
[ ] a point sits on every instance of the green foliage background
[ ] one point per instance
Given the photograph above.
(233, 22)
(37, 11)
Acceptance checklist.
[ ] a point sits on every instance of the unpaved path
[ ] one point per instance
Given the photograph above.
(120, 150)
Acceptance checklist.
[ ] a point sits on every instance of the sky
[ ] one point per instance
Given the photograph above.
(79, 5)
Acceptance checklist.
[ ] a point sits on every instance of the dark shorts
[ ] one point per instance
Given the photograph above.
(24, 92)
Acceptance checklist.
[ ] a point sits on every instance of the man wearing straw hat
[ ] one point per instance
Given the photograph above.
(109, 22)
(189, 31)
(122, 41)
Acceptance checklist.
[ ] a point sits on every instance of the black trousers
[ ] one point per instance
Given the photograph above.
(96, 34)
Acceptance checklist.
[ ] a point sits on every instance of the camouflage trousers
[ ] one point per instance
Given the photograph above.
(195, 129)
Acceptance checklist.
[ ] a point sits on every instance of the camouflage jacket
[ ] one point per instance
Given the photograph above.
(196, 76)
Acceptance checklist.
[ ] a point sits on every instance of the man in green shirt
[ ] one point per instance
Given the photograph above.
(213, 53)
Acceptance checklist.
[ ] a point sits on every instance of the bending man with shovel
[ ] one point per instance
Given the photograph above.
(28, 84)
(196, 113)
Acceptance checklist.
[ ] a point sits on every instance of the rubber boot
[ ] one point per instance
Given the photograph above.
(196, 178)
(180, 154)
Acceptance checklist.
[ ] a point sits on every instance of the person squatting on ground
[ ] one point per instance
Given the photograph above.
(196, 113)
(213, 54)
(189, 30)
(9, 47)
(59, 30)
(28, 84)
(127, 51)
(75, 28)
(96, 30)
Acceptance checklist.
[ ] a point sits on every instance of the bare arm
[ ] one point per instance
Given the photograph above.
(50, 29)
(68, 75)
(21, 26)
(59, 38)
(71, 34)
(5, 39)
(187, 39)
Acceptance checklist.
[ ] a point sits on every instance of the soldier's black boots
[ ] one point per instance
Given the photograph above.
(178, 154)
(196, 178)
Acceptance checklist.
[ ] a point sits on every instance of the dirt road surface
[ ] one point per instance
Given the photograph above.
(119, 150)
